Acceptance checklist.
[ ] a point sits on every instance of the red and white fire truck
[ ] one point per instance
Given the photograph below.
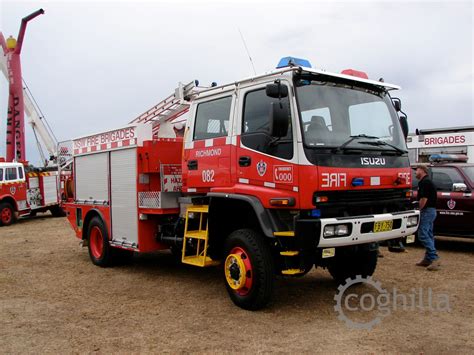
(274, 174)
(26, 193)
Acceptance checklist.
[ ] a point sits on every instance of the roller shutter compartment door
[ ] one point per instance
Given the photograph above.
(123, 170)
(91, 174)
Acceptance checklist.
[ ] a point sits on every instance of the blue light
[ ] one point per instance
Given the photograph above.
(292, 61)
(448, 158)
(315, 213)
(357, 181)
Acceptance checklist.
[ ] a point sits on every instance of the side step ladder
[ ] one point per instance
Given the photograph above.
(289, 253)
(196, 237)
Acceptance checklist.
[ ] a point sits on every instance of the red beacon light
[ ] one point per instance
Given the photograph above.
(357, 73)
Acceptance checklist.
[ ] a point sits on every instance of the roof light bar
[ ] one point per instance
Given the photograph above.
(292, 61)
(357, 73)
(460, 158)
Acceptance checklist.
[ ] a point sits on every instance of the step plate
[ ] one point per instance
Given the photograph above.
(289, 253)
(199, 261)
(292, 272)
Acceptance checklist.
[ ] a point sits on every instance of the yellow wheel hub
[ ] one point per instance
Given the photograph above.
(235, 271)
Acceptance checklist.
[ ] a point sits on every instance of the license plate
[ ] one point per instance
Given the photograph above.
(383, 226)
(410, 238)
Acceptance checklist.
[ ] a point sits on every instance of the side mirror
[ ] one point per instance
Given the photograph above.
(276, 90)
(279, 119)
(459, 187)
(404, 125)
(397, 103)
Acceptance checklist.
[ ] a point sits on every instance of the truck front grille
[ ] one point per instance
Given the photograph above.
(362, 202)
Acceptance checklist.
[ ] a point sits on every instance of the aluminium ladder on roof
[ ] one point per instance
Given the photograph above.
(170, 108)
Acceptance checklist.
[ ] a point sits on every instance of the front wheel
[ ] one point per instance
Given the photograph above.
(352, 261)
(248, 269)
(7, 214)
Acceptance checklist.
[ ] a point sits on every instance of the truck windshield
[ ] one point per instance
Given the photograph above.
(469, 171)
(343, 117)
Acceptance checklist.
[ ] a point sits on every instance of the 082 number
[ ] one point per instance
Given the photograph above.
(207, 175)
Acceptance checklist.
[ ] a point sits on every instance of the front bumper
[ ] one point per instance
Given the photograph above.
(361, 229)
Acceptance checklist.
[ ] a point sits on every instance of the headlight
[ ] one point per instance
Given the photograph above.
(412, 221)
(337, 230)
(329, 231)
(342, 229)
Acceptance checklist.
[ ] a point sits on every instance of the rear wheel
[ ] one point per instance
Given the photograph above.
(248, 269)
(7, 214)
(99, 249)
(349, 262)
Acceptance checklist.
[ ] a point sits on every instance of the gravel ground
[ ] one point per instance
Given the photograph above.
(53, 300)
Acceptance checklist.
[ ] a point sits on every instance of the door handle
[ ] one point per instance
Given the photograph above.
(192, 165)
(245, 161)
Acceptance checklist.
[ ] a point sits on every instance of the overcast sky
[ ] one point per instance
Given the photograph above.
(95, 66)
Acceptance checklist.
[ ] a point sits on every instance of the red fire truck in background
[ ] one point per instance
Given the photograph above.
(27, 193)
(273, 175)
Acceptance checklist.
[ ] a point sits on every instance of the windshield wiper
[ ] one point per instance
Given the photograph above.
(401, 151)
(351, 139)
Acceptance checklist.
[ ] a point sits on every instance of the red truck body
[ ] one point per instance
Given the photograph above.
(263, 201)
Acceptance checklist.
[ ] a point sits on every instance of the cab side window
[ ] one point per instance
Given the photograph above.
(20, 173)
(444, 178)
(1, 174)
(212, 118)
(11, 174)
(256, 125)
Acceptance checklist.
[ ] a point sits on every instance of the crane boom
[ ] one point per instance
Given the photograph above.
(38, 125)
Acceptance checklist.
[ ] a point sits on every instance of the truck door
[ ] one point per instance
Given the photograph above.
(454, 214)
(263, 160)
(207, 144)
(15, 185)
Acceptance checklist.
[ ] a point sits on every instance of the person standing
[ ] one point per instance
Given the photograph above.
(427, 200)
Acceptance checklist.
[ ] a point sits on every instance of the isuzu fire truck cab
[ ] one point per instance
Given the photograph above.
(275, 173)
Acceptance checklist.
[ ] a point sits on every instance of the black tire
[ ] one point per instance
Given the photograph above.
(100, 252)
(57, 211)
(349, 262)
(259, 294)
(7, 214)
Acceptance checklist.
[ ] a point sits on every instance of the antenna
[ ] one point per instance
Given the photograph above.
(248, 53)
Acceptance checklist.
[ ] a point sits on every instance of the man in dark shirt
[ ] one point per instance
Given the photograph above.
(427, 199)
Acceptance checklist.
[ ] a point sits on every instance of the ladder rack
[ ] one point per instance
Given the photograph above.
(172, 107)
